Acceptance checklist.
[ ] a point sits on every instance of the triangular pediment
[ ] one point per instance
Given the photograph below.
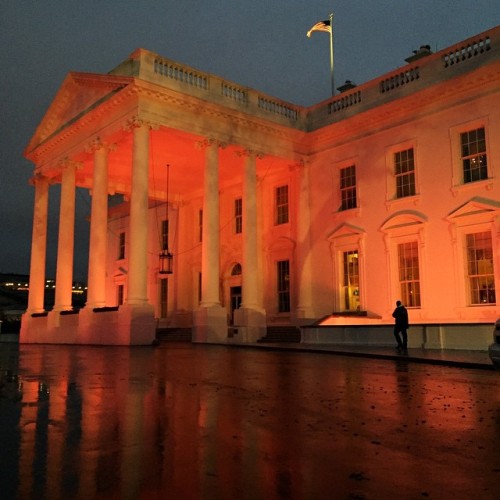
(345, 230)
(78, 94)
(476, 207)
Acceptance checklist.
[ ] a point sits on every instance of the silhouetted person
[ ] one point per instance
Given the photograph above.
(400, 316)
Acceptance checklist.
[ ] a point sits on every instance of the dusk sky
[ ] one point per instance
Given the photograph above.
(259, 43)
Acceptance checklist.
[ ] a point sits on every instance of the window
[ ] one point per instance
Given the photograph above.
(236, 270)
(119, 295)
(350, 262)
(480, 273)
(281, 204)
(163, 297)
(404, 172)
(238, 216)
(164, 234)
(409, 274)
(473, 155)
(283, 286)
(121, 246)
(200, 225)
(348, 187)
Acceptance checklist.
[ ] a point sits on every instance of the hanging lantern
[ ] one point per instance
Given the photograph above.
(166, 262)
(166, 258)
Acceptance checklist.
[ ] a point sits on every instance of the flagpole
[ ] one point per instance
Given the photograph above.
(331, 54)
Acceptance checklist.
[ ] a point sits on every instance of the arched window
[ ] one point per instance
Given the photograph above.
(236, 271)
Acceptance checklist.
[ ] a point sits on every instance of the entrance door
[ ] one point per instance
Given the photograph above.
(235, 300)
(351, 281)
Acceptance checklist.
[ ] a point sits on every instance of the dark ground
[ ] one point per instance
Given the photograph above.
(212, 422)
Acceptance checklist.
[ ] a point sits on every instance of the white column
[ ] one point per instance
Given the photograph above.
(96, 287)
(303, 254)
(38, 246)
(65, 242)
(210, 245)
(138, 228)
(250, 299)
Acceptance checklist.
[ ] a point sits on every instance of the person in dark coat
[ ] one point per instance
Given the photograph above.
(400, 316)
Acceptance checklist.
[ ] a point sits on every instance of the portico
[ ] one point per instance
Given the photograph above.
(115, 137)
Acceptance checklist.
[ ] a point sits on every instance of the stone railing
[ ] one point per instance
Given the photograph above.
(151, 67)
(180, 73)
(463, 52)
(429, 70)
(344, 101)
(399, 79)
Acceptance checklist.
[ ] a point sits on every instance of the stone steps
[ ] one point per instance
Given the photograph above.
(282, 334)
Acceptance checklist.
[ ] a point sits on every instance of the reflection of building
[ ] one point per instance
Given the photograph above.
(278, 214)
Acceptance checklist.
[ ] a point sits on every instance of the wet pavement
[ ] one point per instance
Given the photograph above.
(262, 422)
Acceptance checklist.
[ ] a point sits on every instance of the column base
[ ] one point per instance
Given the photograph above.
(210, 324)
(251, 324)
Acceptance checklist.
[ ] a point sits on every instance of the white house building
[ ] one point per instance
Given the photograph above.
(275, 214)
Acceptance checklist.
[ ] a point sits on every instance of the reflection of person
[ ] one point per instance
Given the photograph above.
(400, 316)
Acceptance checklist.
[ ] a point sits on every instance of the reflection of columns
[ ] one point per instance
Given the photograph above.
(303, 255)
(66, 240)
(210, 245)
(138, 228)
(250, 247)
(96, 292)
(38, 246)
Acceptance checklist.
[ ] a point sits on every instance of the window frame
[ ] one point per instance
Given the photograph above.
(458, 184)
(281, 208)
(346, 190)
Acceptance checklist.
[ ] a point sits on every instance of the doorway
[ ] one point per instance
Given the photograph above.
(234, 300)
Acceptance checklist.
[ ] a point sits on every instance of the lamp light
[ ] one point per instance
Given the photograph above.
(166, 258)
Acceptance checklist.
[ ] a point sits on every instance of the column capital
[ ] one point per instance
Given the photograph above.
(97, 144)
(246, 153)
(205, 143)
(137, 122)
(299, 165)
(38, 178)
(67, 163)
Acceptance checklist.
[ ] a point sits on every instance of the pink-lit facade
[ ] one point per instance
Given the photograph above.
(278, 214)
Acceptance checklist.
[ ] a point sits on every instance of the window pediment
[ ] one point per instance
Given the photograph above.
(476, 210)
(346, 231)
(408, 219)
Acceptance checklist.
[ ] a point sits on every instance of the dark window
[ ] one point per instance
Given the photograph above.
(238, 216)
(281, 205)
(348, 187)
(473, 148)
(404, 170)
(283, 286)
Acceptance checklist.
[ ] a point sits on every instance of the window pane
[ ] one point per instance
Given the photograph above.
(281, 200)
(348, 188)
(474, 161)
(480, 268)
(409, 273)
(404, 171)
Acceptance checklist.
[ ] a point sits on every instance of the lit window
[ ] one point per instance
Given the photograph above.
(348, 187)
(238, 216)
(404, 171)
(480, 271)
(473, 155)
(409, 273)
(281, 204)
(351, 280)
(283, 268)
(121, 246)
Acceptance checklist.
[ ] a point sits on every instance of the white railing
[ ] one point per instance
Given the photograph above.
(463, 52)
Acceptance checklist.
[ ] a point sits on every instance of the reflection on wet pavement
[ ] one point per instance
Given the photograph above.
(207, 422)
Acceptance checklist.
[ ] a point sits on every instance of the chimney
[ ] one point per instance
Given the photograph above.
(348, 85)
(423, 51)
